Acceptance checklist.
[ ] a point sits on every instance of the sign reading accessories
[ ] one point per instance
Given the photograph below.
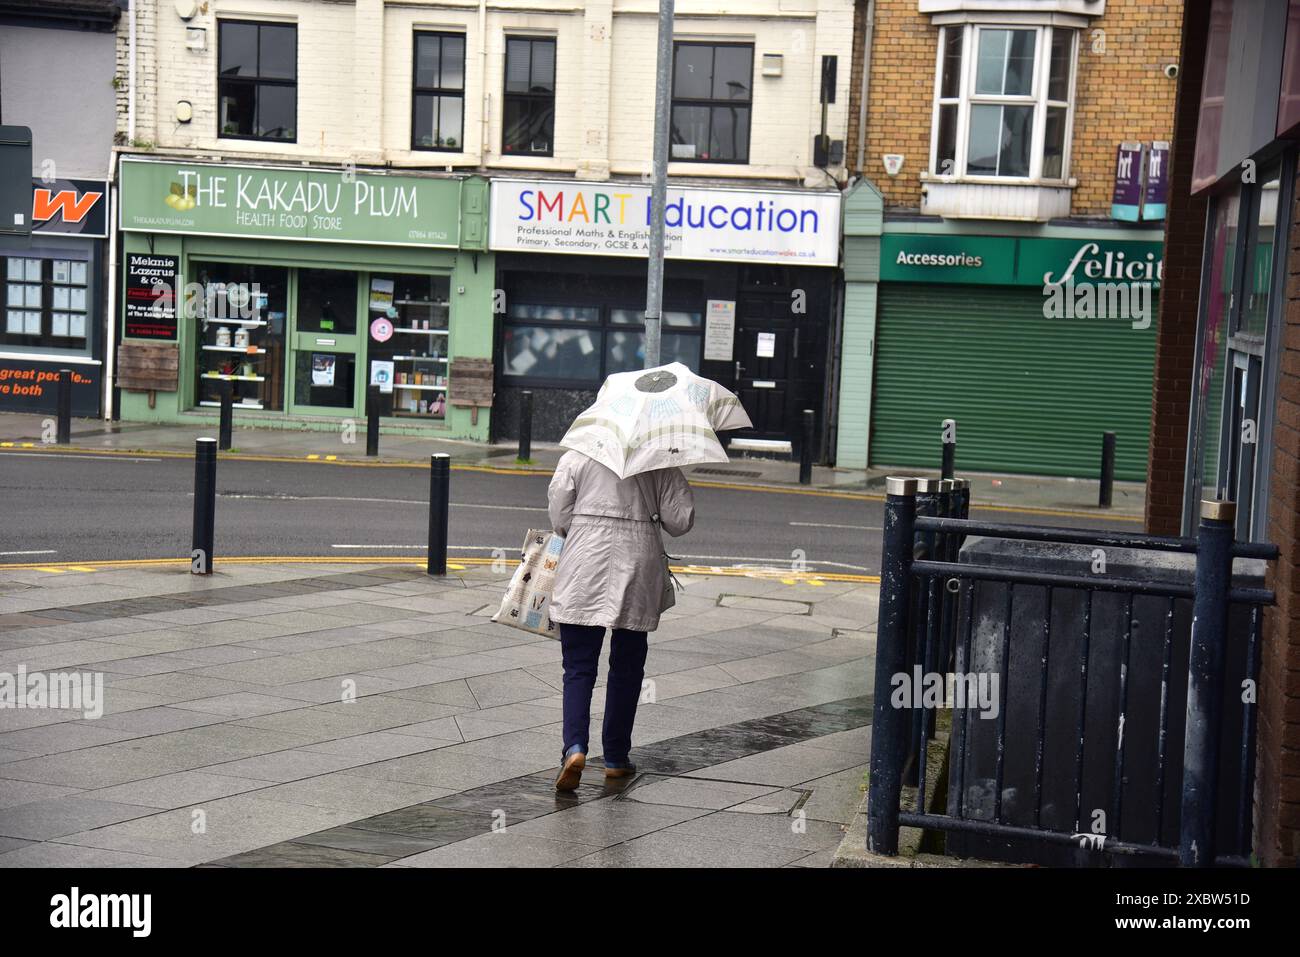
(1010, 261)
(613, 219)
(283, 203)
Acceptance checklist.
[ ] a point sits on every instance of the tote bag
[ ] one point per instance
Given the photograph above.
(527, 601)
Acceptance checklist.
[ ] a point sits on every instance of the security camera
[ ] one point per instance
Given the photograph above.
(1171, 71)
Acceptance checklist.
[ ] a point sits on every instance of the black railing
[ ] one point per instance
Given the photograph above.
(1105, 732)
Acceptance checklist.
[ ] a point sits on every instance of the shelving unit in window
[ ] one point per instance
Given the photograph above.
(419, 309)
(231, 329)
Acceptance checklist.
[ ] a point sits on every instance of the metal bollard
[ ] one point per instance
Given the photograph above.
(1205, 683)
(439, 506)
(806, 451)
(227, 415)
(1106, 493)
(205, 506)
(948, 434)
(525, 425)
(889, 724)
(64, 435)
(923, 637)
(372, 421)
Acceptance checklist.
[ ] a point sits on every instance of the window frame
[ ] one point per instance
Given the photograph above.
(417, 91)
(600, 328)
(258, 81)
(710, 103)
(1038, 99)
(507, 96)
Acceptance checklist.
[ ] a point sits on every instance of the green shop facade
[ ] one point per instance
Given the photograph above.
(1035, 342)
(297, 288)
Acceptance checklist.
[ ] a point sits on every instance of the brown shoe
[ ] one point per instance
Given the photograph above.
(620, 772)
(571, 772)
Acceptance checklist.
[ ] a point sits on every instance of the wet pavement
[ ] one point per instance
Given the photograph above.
(327, 715)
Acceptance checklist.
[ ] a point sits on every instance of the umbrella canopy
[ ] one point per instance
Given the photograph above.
(661, 417)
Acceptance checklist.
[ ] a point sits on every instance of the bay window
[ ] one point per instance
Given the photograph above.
(1002, 102)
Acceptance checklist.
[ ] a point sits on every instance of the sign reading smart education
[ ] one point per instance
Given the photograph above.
(1010, 261)
(613, 219)
(279, 203)
(151, 296)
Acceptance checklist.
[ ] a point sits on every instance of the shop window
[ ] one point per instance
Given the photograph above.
(1003, 102)
(327, 301)
(239, 313)
(578, 346)
(46, 302)
(419, 309)
(712, 101)
(528, 116)
(257, 82)
(439, 92)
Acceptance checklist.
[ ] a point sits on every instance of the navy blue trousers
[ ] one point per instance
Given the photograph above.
(580, 646)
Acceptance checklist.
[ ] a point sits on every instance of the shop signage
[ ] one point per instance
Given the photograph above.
(280, 203)
(613, 219)
(1011, 261)
(30, 386)
(1156, 194)
(70, 206)
(151, 296)
(1126, 197)
(719, 330)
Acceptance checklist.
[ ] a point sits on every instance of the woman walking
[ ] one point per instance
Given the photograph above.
(612, 575)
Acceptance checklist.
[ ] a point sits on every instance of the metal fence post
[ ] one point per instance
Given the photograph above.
(949, 436)
(439, 506)
(205, 506)
(1107, 491)
(525, 425)
(1205, 683)
(372, 421)
(64, 434)
(806, 451)
(889, 724)
(227, 415)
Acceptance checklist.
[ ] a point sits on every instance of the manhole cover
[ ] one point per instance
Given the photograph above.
(734, 473)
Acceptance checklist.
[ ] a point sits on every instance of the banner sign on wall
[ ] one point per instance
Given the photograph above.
(280, 203)
(71, 206)
(1012, 261)
(1156, 194)
(613, 219)
(1127, 196)
(33, 386)
(151, 296)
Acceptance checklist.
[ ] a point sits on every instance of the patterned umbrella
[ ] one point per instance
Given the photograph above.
(654, 419)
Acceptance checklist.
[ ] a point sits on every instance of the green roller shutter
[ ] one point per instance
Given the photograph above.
(1030, 394)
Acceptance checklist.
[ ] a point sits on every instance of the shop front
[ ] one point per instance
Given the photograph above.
(297, 289)
(1034, 345)
(54, 300)
(749, 296)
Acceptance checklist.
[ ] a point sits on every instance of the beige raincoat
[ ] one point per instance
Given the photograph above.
(612, 569)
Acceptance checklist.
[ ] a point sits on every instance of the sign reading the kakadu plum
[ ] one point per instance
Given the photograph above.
(613, 219)
(278, 203)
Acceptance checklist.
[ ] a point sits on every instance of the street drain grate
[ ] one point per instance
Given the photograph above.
(734, 473)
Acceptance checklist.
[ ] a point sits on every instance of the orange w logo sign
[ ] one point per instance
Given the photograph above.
(45, 205)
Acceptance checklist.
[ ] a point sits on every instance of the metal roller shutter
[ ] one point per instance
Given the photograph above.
(1030, 394)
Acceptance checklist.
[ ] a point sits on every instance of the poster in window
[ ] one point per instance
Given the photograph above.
(381, 295)
(150, 296)
(322, 369)
(720, 330)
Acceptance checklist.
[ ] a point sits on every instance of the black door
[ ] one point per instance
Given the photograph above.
(765, 332)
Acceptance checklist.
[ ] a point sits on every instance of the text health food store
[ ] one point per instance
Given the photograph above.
(748, 294)
(296, 288)
(1034, 345)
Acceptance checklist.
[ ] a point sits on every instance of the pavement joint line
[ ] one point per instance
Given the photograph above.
(459, 564)
(542, 472)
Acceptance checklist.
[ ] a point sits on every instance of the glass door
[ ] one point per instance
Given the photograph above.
(326, 343)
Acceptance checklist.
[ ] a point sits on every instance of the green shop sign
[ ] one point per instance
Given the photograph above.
(276, 203)
(1011, 261)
